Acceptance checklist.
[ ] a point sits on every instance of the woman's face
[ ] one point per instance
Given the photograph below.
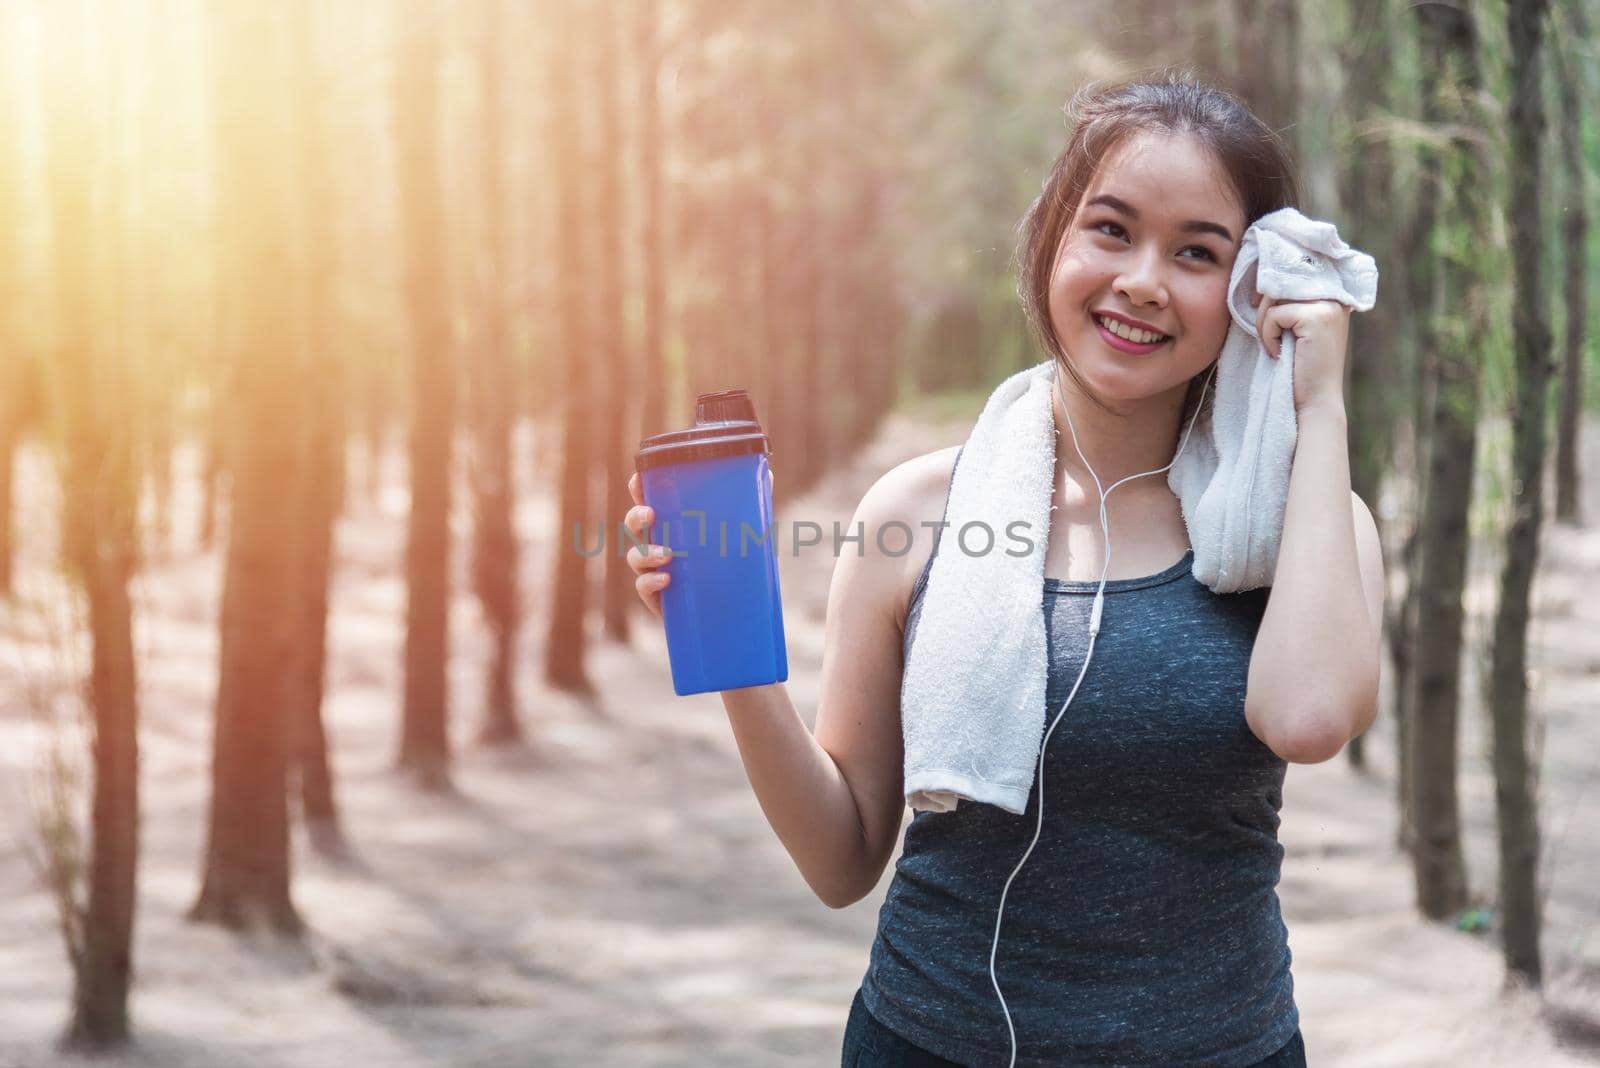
(1153, 241)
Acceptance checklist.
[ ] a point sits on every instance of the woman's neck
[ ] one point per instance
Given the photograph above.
(1125, 440)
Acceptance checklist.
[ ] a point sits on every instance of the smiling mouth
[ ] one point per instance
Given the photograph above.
(1124, 344)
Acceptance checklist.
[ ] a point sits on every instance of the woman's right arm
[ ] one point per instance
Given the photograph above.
(834, 798)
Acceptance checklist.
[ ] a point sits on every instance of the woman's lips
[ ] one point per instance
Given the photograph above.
(1122, 344)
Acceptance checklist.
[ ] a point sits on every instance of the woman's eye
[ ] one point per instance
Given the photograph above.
(1100, 227)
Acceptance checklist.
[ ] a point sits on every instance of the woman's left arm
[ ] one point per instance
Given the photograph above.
(1313, 681)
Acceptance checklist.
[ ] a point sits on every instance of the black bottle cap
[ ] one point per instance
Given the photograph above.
(725, 425)
(725, 406)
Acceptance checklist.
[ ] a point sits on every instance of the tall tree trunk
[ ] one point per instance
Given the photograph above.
(652, 263)
(616, 419)
(1151, 31)
(99, 540)
(1400, 615)
(1267, 59)
(798, 329)
(1575, 239)
(842, 298)
(10, 435)
(10, 299)
(322, 440)
(308, 662)
(494, 555)
(424, 741)
(875, 319)
(1206, 23)
(1515, 802)
(1450, 48)
(157, 378)
(771, 393)
(213, 447)
(8, 440)
(10, 342)
(161, 450)
(246, 880)
(1421, 282)
(704, 215)
(565, 641)
(886, 321)
(104, 968)
(1366, 193)
(375, 441)
(760, 263)
(804, 298)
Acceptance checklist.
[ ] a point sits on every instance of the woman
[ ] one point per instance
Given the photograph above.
(1145, 930)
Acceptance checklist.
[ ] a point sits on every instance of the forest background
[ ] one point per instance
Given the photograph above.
(322, 324)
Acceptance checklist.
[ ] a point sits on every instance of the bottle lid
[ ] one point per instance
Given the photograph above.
(725, 406)
(725, 425)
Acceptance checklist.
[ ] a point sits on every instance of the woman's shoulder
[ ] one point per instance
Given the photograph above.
(911, 489)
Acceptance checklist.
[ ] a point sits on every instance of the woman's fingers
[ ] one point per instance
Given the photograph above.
(649, 586)
(1263, 327)
(643, 556)
(638, 521)
(649, 581)
(646, 562)
(648, 559)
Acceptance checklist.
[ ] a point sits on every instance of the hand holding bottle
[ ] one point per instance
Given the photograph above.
(648, 564)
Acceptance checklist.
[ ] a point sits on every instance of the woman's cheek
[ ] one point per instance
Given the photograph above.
(1068, 284)
(1211, 317)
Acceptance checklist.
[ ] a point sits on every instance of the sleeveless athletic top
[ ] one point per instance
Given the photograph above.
(1145, 927)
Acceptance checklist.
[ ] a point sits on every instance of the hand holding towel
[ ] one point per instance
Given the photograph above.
(1233, 480)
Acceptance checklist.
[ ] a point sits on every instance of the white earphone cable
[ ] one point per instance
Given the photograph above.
(1094, 631)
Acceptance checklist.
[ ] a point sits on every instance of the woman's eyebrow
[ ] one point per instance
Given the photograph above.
(1193, 226)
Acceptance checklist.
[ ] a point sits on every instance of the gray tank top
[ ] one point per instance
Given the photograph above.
(1145, 927)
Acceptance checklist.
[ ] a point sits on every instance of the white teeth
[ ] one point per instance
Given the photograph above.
(1140, 337)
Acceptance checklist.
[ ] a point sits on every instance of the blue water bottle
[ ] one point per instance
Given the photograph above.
(711, 490)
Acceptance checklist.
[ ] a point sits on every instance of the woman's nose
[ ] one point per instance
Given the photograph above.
(1140, 280)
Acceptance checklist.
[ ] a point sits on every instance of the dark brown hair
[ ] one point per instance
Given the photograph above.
(1103, 116)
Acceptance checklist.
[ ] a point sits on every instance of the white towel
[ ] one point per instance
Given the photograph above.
(972, 695)
(1233, 479)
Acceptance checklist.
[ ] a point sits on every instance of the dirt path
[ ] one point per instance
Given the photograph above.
(614, 897)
